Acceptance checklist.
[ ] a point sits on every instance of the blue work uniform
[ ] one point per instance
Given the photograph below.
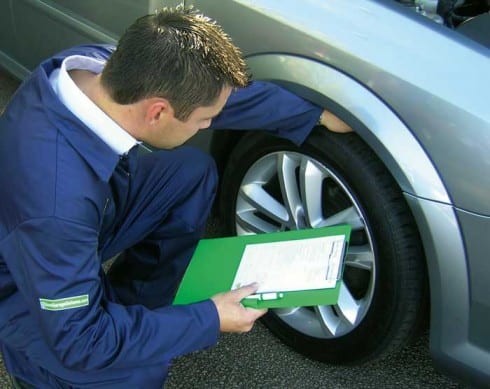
(68, 203)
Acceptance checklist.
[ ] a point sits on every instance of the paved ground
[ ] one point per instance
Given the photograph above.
(258, 360)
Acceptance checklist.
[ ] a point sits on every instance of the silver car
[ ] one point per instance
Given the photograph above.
(412, 78)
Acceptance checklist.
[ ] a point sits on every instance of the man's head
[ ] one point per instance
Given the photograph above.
(175, 54)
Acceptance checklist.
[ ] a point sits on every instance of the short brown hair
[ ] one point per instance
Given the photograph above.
(177, 54)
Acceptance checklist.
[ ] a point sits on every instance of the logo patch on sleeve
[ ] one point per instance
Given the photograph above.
(66, 303)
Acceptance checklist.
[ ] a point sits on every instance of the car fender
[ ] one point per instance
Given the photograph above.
(371, 118)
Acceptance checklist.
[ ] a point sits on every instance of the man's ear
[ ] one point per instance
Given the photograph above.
(158, 109)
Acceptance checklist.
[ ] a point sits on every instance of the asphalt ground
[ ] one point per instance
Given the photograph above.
(258, 360)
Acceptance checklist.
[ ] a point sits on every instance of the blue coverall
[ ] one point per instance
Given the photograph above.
(68, 203)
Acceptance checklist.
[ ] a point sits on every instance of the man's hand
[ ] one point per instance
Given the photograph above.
(233, 316)
(333, 123)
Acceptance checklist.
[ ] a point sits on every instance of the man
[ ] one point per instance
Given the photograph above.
(75, 192)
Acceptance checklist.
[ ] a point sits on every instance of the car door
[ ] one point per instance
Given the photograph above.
(31, 30)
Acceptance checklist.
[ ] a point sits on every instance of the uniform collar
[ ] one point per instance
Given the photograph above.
(98, 154)
(85, 109)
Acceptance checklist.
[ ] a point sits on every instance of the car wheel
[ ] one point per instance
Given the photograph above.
(271, 185)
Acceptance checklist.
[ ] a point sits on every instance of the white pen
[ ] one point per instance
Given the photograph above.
(265, 296)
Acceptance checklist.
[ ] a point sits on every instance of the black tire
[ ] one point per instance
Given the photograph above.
(392, 284)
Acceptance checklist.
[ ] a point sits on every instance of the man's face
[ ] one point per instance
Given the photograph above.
(170, 132)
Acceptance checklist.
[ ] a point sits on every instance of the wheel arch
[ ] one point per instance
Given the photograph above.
(372, 119)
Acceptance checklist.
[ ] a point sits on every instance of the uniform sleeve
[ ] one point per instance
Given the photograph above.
(266, 106)
(59, 277)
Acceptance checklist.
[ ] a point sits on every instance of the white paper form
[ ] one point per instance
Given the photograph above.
(284, 266)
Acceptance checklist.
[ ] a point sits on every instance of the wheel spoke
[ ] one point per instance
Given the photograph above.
(329, 322)
(347, 216)
(347, 306)
(264, 203)
(335, 319)
(360, 257)
(248, 222)
(302, 319)
(311, 179)
(286, 171)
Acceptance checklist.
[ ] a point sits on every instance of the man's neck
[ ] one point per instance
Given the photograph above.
(90, 84)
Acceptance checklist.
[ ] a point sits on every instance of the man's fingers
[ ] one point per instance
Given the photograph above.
(240, 293)
(233, 316)
(333, 123)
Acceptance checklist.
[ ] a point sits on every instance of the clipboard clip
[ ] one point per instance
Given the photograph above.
(265, 296)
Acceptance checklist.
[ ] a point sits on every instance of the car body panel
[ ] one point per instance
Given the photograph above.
(415, 91)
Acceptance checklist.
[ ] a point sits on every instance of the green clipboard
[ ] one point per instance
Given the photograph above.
(215, 262)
